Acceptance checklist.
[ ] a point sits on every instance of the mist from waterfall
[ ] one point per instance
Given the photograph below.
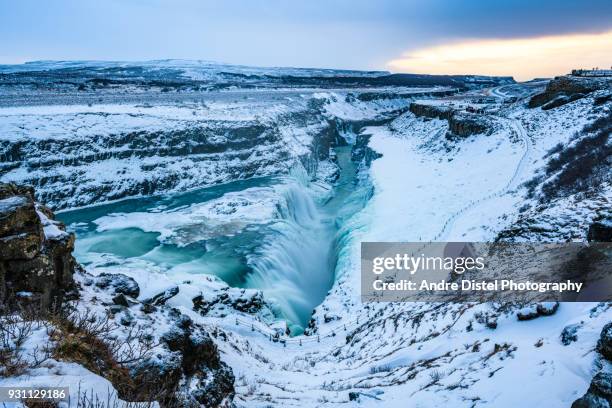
(294, 267)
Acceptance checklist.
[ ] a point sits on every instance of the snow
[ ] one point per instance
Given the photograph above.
(424, 188)
(416, 188)
(11, 203)
(50, 227)
(406, 177)
(48, 372)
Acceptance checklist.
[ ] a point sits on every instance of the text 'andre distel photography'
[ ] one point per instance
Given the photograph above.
(291, 203)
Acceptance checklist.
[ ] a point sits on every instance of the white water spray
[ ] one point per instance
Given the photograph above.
(294, 268)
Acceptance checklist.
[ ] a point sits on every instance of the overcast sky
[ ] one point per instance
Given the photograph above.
(359, 34)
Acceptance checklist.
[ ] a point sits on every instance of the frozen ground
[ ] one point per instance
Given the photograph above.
(435, 354)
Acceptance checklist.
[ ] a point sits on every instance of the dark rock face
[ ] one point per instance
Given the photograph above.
(601, 230)
(565, 89)
(430, 111)
(36, 260)
(461, 124)
(208, 380)
(590, 401)
(599, 394)
(466, 124)
(362, 152)
(604, 345)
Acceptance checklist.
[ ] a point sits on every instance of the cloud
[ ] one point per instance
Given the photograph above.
(362, 34)
(523, 58)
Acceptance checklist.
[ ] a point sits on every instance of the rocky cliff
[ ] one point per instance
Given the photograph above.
(466, 124)
(460, 124)
(177, 366)
(36, 263)
(69, 171)
(565, 89)
(431, 111)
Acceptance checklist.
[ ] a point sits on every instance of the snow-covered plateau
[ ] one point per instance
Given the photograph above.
(218, 213)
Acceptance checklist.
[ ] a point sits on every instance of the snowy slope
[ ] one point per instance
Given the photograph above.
(438, 354)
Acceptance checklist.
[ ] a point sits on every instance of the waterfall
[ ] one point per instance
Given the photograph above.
(294, 266)
(292, 253)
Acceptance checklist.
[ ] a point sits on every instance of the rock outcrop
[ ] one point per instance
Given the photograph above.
(36, 263)
(601, 230)
(599, 394)
(208, 380)
(37, 268)
(461, 124)
(604, 345)
(243, 300)
(466, 124)
(431, 111)
(565, 89)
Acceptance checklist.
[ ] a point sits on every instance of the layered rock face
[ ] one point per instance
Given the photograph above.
(460, 124)
(70, 172)
(430, 111)
(36, 263)
(466, 124)
(565, 89)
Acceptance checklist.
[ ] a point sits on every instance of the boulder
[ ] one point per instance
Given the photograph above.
(547, 308)
(534, 311)
(527, 313)
(161, 298)
(119, 283)
(569, 334)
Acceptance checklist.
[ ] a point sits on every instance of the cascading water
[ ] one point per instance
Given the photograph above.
(294, 268)
(283, 236)
(297, 265)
